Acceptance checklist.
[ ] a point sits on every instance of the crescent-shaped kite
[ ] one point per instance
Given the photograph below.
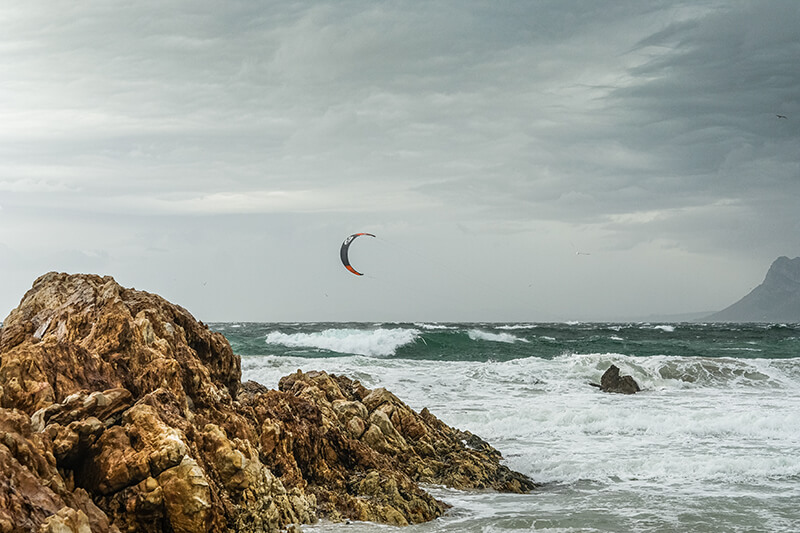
(346, 247)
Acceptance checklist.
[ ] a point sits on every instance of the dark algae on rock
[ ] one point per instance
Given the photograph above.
(121, 412)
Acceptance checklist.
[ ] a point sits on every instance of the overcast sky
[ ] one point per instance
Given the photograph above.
(548, 160)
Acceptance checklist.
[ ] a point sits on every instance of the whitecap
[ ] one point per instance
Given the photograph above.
(432, 326)
(375, 342)
(478, 334)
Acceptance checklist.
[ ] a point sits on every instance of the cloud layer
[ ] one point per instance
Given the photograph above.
(162, 143)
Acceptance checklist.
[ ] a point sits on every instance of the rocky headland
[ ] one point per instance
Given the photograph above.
(120, 412)
(776, 299)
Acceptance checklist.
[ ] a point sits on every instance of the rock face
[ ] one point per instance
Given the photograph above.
(777, 299)
(120, 412)
(611, 381)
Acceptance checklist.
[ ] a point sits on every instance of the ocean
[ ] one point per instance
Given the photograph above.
(712, 443)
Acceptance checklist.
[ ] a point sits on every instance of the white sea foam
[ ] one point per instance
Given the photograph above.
(434, 326)
(715, 437)
(551, 425)
(479, 334)
(672, 372)
(517, 326)
(376, 342)
(665, 327)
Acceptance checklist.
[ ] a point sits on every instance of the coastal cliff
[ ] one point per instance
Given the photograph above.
(120, 412)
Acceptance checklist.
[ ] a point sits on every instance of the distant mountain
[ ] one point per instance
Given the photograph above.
(777, 299)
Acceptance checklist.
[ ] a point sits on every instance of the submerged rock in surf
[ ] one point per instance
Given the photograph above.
(120, 412)
(613, 382)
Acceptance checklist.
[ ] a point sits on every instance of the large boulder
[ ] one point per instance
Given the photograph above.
(120, 412)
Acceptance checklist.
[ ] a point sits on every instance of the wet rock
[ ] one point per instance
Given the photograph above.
(613, 382)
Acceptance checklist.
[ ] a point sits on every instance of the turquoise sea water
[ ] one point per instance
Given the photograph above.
(711, 444)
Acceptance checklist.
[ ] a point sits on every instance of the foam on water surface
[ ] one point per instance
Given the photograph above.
(711, 444)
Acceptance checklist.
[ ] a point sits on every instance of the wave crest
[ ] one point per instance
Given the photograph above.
(381, 342)
(478, 334)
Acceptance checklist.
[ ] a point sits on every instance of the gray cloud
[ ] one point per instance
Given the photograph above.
(141, 138)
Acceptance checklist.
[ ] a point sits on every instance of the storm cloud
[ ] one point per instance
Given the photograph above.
(219, 152)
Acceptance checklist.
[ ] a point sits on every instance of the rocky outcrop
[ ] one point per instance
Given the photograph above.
(776, 299)
(372, 450)
(611, 381)
(120, 412)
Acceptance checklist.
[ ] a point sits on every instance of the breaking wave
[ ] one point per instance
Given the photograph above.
(379, 342)
(477, 334)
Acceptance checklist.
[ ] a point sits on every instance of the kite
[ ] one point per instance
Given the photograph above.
(346, 247)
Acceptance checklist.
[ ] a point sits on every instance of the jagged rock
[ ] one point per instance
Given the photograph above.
(611, 381)
(187, 497)
(33, 493)
(120, 412)
(106, 406)
(418, 444)
(66, 520)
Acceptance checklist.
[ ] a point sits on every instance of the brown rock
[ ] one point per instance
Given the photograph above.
(106, 406)
(74, 332)
(187, 497)
(613, 382)
(32, 490)
(417, 444)
(119, 411)
(27, 467)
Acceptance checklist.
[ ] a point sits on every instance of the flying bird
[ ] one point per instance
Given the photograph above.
(781, 116)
